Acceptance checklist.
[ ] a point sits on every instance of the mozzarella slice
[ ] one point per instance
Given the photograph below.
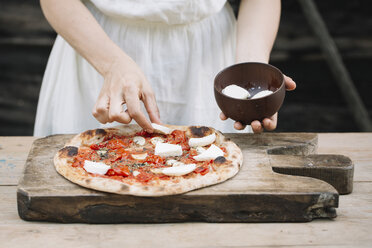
(136, 173)
(165, 150)
(262, 94)
(171, 162)
(210, 154)
(207, 140)
(140, 156)
(177, 164)
(138, 140)
(96, 168)
(179, 170)
(200, 149)
(156, 140)
(236, 91)
(161, 129)
(157, 170)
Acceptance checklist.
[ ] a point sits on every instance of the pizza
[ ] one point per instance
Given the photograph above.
(128, 160)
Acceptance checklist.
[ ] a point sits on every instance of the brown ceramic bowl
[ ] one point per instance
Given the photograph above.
(254, 77)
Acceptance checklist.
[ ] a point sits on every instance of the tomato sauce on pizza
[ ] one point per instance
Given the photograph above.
(128, 160)
(132, 160)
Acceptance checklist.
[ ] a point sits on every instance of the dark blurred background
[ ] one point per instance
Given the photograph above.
(317, 105)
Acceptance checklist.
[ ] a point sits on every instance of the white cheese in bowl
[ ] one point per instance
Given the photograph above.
(262, 94)
(236, 91)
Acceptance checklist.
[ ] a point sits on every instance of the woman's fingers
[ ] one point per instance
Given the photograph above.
(289, 83)
(223, 116)
(239, 126)
(149, 101)
(101, 109)
(256, 127)
(134, 109)
(270, 123)
(116, 110)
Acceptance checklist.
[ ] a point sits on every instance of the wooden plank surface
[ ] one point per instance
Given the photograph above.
(354, 216)
(357, 146)
(255, 194)
(13, 154)
(352, 227)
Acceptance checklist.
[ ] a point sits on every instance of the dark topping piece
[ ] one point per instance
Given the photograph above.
(69, 151)
(103, 154)
(100, 131)
(91, 133)
(138, 165)
(87, 134)
(220, 160)
(200, 131)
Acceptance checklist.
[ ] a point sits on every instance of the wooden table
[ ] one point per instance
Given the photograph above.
(352, 227)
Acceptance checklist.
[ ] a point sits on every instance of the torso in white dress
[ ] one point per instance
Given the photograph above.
(180, 45)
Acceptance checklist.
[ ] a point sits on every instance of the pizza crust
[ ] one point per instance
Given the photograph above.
(176, 185)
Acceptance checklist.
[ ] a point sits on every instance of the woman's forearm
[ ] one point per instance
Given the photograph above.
(257, 26)
(73, 21)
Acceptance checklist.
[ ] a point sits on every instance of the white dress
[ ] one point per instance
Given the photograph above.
(180, 45)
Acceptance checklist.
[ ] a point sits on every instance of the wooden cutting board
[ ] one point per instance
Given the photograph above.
(256, 194)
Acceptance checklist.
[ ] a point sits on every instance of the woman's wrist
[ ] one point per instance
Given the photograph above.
(242, 57)
(115, 60)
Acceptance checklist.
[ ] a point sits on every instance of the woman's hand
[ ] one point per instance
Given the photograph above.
(126, 84)
(267, 123)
